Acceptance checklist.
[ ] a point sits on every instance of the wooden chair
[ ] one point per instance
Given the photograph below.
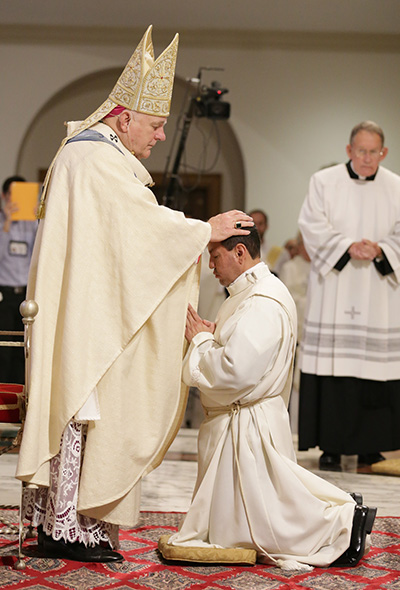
(13, 404)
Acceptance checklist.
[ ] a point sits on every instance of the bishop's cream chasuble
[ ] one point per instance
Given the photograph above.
(112, 273)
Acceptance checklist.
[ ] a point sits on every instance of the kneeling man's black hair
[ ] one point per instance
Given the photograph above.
(251, 241)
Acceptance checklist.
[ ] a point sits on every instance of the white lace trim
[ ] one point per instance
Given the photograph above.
(55, 507)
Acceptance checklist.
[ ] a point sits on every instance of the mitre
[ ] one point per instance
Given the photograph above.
(145, 86)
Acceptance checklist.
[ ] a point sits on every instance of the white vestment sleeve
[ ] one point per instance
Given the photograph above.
(233, 367)
(391, 247)
(325, 244)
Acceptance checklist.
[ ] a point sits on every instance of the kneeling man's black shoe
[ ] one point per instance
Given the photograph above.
(357, 497)
(363, 522)
(329, 462)
(78, 551)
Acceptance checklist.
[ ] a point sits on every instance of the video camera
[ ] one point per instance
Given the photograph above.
(209, 104)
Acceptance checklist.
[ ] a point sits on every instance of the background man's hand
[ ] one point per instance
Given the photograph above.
(364, 250)
(8, 209)
(223, 225)
(195, 325)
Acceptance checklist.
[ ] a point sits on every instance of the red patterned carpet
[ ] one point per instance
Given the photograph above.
(144, 568)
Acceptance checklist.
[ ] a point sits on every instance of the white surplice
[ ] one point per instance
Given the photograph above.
(352, 323)
(250, 492)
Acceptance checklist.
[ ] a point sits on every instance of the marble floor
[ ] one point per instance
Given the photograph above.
(170, 486)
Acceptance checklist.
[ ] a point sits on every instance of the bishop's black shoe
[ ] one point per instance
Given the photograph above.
(40, 535)
(363, 522)
(78, 551)
(329, 462)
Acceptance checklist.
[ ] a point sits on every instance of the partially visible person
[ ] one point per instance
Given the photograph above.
(350, 381)
(288, 252)
(112, 273)
(271, 255)
(16, 246)
(250, 493)
(294, 274)
(260, 219)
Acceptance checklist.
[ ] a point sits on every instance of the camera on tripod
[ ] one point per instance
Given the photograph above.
(209, 104)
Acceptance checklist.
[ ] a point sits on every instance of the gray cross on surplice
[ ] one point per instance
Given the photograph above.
(353, 312)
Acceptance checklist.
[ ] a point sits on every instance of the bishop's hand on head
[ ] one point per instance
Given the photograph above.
(230, 223)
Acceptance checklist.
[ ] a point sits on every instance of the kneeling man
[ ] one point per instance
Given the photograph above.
(250, 491)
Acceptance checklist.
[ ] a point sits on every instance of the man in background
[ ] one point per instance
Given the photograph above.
(350, 382)
(274, 256)
(16, 246)
(294, 274)
(260, 219)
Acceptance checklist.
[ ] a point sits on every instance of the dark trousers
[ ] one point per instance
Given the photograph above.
(12, 364)
(348, 416)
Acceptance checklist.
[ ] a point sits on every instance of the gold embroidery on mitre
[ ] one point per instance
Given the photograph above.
(146, 85)
(126, 90)
(156, 89)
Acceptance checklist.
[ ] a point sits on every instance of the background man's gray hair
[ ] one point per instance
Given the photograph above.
(367, 126)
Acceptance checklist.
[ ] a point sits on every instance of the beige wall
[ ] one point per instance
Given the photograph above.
(293, 105)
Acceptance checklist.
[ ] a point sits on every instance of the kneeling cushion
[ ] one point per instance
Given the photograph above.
(387, 467)
(206, 554)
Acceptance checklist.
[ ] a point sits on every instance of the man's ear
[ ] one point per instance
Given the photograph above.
(124, 120)
(384, 154)
(240, 251)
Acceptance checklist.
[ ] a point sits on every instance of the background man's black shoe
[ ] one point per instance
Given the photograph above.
(78, 551)
(363, 522)
(370, 458)
(329, 462)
